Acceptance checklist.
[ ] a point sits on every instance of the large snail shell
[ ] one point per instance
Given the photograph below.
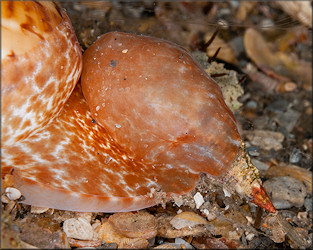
(156, 121)
(157, 102)
(41, 62)
(158, 129)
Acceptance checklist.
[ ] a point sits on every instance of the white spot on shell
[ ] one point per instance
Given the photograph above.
(118, 125)
(97, 108)
(124, 51)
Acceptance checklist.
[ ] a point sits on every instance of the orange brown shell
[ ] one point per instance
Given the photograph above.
(157, 102)
(156, 121)
(41, 62)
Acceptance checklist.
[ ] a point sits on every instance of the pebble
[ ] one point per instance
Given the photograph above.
(209, 215)
(187, 219)
(253, 151)
(251, 105)
(139, 224)
(260, 165)
(265, 139)
(5, 199)
(107, 233)
(182, 243)
(78, 228)
(12, 193)
(38, 210)
(287, 119)
(278, 106)
(273, 229)
(198, 198)
(285, 192)
(295, 156)
(308, 204)
(301, 174)
(250, 236)
(166, 229)
(168, 246)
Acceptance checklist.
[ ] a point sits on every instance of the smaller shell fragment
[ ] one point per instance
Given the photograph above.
(38, 210)
(265, 139)
(134, 225)
(78, 228)
(12, 193)
(107, 233)
(187, 219)
(198, 198)
(5, 199)
(166, 229)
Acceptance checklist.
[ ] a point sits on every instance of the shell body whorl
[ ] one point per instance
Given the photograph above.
(159, 104)
(41, 64)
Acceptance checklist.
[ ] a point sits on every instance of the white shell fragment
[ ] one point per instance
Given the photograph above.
(12, 193)
(226, 193)
(187, 219)
(198, 198)
(78, 228)
(250, 236)
(5, 199)
(38, 210)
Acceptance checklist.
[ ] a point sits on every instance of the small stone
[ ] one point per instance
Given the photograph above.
(295, 156)
(209, 215)
(198, 198)
(178, 200)
(38, 210)
(139, 224)
(166, 229)
(290, 86)
(285, 192)
(107, 233)
(274, 229)
(253, 151)
(168, 246)
(182, 243)
(265, 139)
(251, 105)
(12, 193)
(288, 119)
(260, 165)
(301, 174)
(78, 228)
(226, 193)
(250, 236)
(308, 204)
(84, 243)
(187, 219)
(5, 199)
(250, 220)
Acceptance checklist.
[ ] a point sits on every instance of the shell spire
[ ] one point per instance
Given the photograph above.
(244, 179)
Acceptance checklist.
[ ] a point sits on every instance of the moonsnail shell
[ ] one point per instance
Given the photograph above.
(145, 120)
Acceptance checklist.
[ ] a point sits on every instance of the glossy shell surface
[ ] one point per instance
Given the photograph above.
(157, 102)
(41, 62)
(151, 122)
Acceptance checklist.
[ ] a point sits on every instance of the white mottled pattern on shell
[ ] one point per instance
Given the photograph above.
(55, 168)
(34, 91)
